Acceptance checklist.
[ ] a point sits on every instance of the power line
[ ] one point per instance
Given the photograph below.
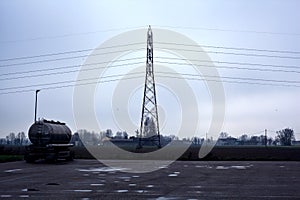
(70, 85)
(125, 64)
(229, 30)
(61, 82)
(81, 56)
(67, 67)
(229, 67)
(237, 78)
(133, 63)
(158, 26)
(71, 34)
(68, 52)
(173, 58)
(226, 81)
(65, 58)
(238, 54)
(177, 44)
(231, 48)
(235, 63)
(65, 72)
(127, 78)
(244, 81)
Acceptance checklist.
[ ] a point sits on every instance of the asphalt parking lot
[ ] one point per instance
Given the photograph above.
(90, 179)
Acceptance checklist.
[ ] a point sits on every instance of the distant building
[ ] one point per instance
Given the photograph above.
(76, 140)
(230, 141)
(119, 142)
(296, 143)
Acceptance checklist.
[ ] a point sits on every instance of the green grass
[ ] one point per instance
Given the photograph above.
(10, 158)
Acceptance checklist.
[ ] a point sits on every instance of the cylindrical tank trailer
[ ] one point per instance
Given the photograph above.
(50, 141)
(49, 132)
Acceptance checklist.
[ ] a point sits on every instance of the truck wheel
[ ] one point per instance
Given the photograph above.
(51, 158)
(29, 159)
(71, 157)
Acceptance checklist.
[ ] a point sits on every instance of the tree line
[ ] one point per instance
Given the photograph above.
(19, 139)
(284, 137)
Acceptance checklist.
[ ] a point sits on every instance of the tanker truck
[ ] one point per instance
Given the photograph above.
(49, 141)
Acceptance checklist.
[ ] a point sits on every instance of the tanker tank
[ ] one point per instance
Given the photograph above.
(46, 132)
(50, 141)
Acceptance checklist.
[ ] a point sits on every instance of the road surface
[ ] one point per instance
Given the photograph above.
(89, 179)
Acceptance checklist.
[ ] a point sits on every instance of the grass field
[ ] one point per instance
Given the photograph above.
(223, 153)
(10, 158)
(218, 153)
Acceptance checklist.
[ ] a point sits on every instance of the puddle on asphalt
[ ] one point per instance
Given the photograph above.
(222, 167)
(24, 196)
(96, 184)
(239, 167)
(150, 186)
(196, 186)
(234, 167)
(103, 169)
(166, 198)
(82, 190)
(12, 170)
(140, 191)
(135, 176)
(203, 166)
(173, 175)
(121, 191)
(5, 195)
(163, 167)
(176, 172)
(132, 185)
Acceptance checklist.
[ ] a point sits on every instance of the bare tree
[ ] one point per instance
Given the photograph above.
(21, 138)
(224, 135)
(125, 135)
(286, 136)
(244, 138)
(11, 138)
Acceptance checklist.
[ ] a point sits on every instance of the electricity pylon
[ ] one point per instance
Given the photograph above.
(149, 129)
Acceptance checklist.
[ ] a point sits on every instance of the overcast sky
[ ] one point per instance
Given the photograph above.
(29, 28)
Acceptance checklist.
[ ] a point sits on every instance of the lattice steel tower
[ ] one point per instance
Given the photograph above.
(149, 129)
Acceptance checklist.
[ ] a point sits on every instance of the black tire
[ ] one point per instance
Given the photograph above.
(51, 158)
(71, 157)
(29, 158)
